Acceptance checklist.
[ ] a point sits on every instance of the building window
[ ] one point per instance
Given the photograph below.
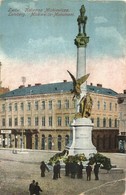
(43, 142)
(59, 121)
(110, 122)
(59, 142)
(36, 142)
(67, 121)
(43, 105)
(59, 104)
(22, 106)
(66, 104)
(50, 120)
(43, 121)
(110, 106)
(3, 122)
(50, 105)
(104, 105)
(22, 121)
(15, 107)
(92, 120)
(98, 122)
(36, 105)
(66, 140)
(29, 106)
(29, 121)
(104, 122)
(50, 142)
(16, 121)
(116, 123)
(98, 141)
(10, 122)
(36, 121)
(110, 142)
(10, 107)
(98, 104)
(115, 107)
(3, 107)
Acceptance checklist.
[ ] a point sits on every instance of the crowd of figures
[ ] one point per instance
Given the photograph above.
(72, 169)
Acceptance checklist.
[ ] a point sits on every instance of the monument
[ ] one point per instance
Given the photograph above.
(82, 124)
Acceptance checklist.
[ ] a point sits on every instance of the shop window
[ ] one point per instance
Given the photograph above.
(43, 142)
(36, 142)
(98, 122)
(110, 122)
(104, 122)
(50, 142)
(59, 142)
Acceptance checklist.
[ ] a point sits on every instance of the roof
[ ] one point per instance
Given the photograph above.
(52, 88)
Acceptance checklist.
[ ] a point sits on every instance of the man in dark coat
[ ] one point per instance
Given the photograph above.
(80, 170)
(37, 189)
(96, 170)
(43, 168)
(88, 171)
(58, 168)
(55, 171)
(32, 187)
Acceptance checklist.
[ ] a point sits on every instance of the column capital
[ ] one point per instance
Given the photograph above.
(81, 41)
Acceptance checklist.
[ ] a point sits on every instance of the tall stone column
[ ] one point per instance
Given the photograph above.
(81, 41)
(82, 125)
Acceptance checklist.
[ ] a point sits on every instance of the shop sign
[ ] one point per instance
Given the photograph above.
(6, 131)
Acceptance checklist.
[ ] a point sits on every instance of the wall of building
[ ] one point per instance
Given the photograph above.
(43, 121)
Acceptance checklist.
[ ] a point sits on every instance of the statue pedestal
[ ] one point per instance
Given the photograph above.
(82, 137)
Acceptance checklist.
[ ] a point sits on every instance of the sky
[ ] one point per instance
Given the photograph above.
(37, 42)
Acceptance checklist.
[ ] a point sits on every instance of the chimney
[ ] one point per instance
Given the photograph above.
(64, 81)
(124, 91)
(21, 86)
(99, 85)
(37, 84)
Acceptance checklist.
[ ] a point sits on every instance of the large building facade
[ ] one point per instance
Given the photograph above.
(39, 117)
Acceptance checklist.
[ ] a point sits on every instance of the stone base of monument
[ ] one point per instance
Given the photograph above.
(82, 138)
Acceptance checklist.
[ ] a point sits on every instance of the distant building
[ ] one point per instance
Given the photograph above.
(42, 115)
(4, 90)
(122, 121)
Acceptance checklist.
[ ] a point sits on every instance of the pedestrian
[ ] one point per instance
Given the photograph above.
(37, 189)
(96, 170)
(67, 168)
(32, 187)
(58, 168)
(55, 171)
(43, 168)
(73, 169)
(80, 170)
(88, 171)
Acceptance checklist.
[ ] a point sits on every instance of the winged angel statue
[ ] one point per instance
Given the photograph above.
(85, 104)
